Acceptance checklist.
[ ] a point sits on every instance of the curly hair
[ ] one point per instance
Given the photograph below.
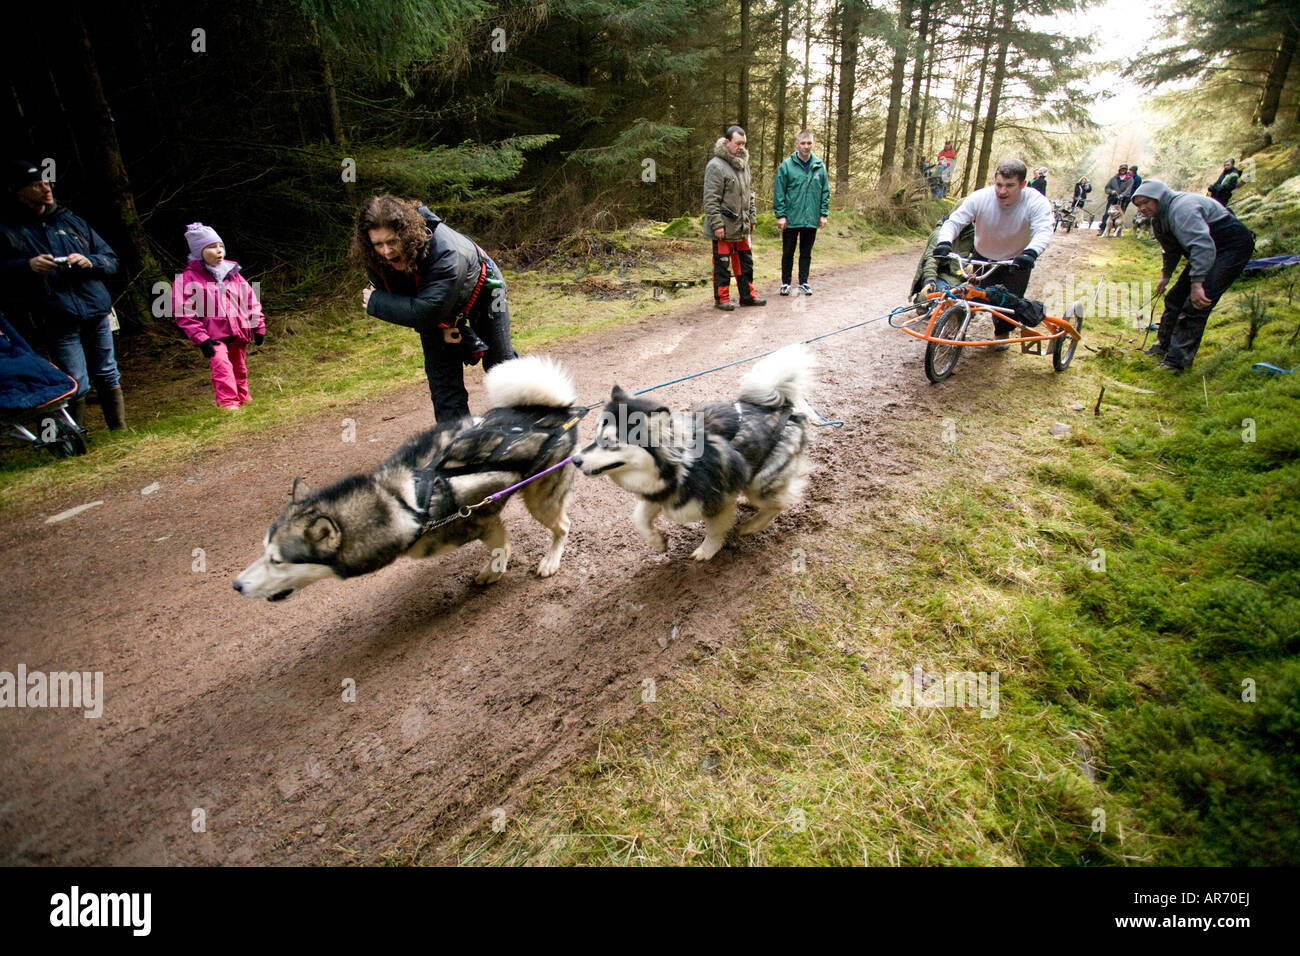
(401, 216)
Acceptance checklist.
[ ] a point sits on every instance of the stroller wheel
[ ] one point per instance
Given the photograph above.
(68, 440)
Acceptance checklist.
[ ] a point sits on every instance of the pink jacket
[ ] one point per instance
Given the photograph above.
(205, 310)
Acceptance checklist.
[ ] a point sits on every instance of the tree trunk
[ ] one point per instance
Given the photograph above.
(830, 77)
(1272, 94)
(914, 100)
(107, 155)
(995, 91)
(807, 64)
(743, 117)
(848, 82)
(896, 87)
(926, 151)
(782, 79)
(967, 165)
(337, 136)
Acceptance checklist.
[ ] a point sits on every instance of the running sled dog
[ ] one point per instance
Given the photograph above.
(365, 522)
(696, 465)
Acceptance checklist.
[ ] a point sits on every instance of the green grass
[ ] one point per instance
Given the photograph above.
(1136, 587)
(327, 354)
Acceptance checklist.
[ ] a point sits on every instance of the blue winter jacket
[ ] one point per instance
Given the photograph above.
(68, 293)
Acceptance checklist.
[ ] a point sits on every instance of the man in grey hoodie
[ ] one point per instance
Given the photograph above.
(1217, 246)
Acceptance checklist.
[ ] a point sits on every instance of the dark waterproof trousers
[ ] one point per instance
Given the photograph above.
(805, 237)
(443, 363)
(1182, 325)
(732, 255)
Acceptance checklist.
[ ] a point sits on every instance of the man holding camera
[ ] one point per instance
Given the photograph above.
(53, 265)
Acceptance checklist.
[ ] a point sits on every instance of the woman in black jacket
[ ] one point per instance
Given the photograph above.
(1081, 190)
(428, 277)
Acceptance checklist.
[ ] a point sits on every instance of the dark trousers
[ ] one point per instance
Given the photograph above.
(729, 255)
(443, 364)
(805, 237)
(1182, 325)
(1011, 278)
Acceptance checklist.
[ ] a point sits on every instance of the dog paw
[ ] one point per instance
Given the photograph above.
(548, 566)
(706, 551)
(656, 541)
(488, 576)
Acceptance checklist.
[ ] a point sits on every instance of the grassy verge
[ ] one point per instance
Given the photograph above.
(330, 355)
(1133, 585)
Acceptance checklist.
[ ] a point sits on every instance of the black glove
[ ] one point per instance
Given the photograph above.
(942, 250)
(472, 348)
(259, 338)
(1025, 260)
(208, 347)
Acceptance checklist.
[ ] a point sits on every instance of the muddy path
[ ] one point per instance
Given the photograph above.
(235, 708)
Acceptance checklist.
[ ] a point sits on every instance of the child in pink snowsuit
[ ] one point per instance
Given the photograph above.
(216, 307)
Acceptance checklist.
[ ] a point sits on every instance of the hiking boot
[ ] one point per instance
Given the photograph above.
(1005, 345)
(803, 289)
(753, 301)
(725, 305)
(1167, 367)
(1156, 351)
(785, 289)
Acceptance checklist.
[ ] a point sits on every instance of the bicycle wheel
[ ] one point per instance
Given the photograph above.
(1063, 350)
(941, 359)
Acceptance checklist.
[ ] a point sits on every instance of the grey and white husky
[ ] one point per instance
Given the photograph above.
(364, 522)
(696, 465)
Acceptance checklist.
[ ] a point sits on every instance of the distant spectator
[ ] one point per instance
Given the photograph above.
(944, 172)
(216, 307)
(948, 152)
(1039, 181)
(54, 266)
(1226, 183)
(1081, 190)
(801, 195)
(1137, 182)
(1118, 192)
(1217, 246)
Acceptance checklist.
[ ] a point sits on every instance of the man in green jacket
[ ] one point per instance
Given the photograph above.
(729, 217)
(801, 197)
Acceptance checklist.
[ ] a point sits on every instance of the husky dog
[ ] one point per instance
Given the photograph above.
(364, 522)
(696, 465)
(1114, 227)
(1141, 224)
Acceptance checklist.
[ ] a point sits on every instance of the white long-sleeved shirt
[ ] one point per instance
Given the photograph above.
(1003, 233)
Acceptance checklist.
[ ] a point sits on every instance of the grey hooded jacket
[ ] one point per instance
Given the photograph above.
(1186, 224)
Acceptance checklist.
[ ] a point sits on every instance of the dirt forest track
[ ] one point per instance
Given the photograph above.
(463, 693)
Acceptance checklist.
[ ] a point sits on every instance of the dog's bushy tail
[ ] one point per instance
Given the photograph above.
(534, 380)
(784, 376)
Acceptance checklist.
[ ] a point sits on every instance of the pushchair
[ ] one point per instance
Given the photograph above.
(33, 392)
